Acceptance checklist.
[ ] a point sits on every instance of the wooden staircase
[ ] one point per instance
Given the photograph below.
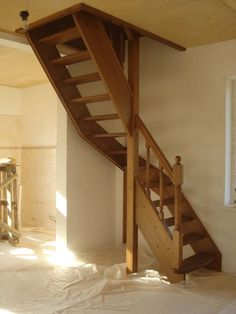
(62, 42)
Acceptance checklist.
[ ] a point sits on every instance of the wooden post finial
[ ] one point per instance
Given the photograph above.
(177, 160)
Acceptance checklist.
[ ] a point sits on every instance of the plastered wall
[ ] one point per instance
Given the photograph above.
(38, 156)
(10, 123)
(28, 134)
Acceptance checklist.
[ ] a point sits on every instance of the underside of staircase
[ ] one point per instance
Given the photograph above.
(155, 203)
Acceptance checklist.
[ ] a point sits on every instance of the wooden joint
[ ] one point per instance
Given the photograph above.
(128, 33)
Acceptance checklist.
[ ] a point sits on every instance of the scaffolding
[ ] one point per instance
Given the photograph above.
(9, 215)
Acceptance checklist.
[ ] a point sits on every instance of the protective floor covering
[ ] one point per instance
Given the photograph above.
(34, 278)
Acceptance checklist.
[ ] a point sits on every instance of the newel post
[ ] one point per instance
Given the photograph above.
(177, 234)
(178, 181)
(132, 157)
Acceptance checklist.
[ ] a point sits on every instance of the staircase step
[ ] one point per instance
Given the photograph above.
(171, 221)
(61, 37)
(195, 262)
(90, 99)
(102, 117)
(82, 79)
(107, 135)
(118, 152)
(73, 58)
(192, 237)
(168, 201)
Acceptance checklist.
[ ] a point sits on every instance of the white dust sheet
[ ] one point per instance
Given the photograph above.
(34, 278)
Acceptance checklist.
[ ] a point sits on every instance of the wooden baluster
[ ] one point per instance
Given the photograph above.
(177, 234)
(161, 191)
(147, 188)
(178, 181)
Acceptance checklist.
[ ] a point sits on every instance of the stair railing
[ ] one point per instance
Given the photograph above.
(175, 174)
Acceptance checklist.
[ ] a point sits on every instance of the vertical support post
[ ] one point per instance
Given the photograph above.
(148, 170)
(132, 157)
(161, 191)
(124, 237)
(178, 181)
(177, 234)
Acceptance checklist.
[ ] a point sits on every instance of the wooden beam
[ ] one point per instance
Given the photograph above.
(132, 159)
(12, 36)
(105, 17)
(110, 70)
(124, 235)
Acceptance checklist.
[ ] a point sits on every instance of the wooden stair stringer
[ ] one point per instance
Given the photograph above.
(206, 244)
(56, 75)
(99, 46)
(155, 233)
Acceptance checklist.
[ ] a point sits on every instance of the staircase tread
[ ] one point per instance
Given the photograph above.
(102, 117)
(72, 58)
(82, 79)
(167, 201)
(171, 221)
(118, 152)
(195, 262)
(90, 99)
(62, 36)
(105, 135)
(192, 237)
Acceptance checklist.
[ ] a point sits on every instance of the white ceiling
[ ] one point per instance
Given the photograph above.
(186, 22)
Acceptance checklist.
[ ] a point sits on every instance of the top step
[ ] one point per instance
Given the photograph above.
(61, 37)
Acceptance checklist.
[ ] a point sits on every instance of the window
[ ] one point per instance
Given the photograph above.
(230, 142)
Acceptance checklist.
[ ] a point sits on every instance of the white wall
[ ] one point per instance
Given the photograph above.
(91, 195)
(10, 123)
(38, 155)
(39, 112)
(183, 104)
(10, 101)
(61, 178)
(85, 191)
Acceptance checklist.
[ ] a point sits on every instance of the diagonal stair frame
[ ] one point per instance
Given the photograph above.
(89, 34)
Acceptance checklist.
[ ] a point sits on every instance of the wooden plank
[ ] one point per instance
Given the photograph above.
(118, 152)
(61, 37)
(12, 36)
(192, 237)
(91, 99)
(106, 135)
(105, 17)
(103, 117)
(82, 79)
(132, 160)
(124, 233)
(154, 232)
(195, 262)
(72, 58)
(165, 202)
(110, 70)
(171, 220)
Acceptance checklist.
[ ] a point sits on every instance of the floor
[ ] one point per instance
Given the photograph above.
(37, 279)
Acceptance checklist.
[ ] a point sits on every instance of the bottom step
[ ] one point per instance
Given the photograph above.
(195, 262)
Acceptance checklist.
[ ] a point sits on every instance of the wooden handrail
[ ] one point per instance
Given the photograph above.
(153, 145)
